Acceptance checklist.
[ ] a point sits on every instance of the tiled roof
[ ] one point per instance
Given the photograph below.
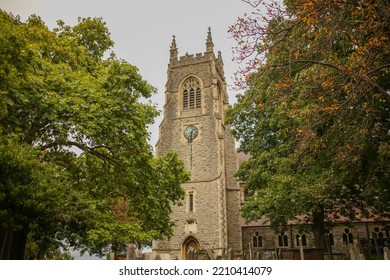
(264, 221)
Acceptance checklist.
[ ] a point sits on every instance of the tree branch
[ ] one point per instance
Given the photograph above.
(378, 68)
(255, 4)
(385, 94)
(85, 148)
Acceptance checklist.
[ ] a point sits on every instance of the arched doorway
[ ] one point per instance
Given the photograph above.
(189, 249)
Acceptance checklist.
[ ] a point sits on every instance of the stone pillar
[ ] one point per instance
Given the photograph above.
(301, 248)
(386, 253)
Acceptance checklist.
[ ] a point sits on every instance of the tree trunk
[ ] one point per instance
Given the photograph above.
(319, 228)
(13, 244)
(42, 251)
(329, 247)
(114, 249)
(5, 243)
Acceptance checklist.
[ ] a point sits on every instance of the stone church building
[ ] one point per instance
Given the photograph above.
(207, 223)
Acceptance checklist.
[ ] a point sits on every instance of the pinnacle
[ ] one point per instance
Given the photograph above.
(173, 44)
(209, 41)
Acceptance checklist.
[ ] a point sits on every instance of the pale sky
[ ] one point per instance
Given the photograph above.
(142, 30)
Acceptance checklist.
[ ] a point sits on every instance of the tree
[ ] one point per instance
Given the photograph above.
(315, 117)
(74, 149)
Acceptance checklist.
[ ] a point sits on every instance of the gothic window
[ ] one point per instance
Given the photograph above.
(257, 240)
(192, 97)
(377, 233)
(330, 238)
(191, 202)
(303, 238)
(347, 237)
(283, 239)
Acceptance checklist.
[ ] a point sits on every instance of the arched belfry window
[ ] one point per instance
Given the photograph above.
(192, 97)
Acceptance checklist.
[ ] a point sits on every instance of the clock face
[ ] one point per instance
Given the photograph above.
(191, 132)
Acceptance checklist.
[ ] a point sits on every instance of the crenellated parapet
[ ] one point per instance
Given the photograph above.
(191, 59)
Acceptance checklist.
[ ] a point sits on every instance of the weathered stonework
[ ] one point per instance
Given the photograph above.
(207, 221)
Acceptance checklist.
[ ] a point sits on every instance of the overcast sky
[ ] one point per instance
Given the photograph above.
(142, 30)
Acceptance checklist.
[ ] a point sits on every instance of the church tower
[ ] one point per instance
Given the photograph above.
(207, 221)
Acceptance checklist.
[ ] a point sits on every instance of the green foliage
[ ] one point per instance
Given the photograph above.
(315, 118)
(76, 166)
